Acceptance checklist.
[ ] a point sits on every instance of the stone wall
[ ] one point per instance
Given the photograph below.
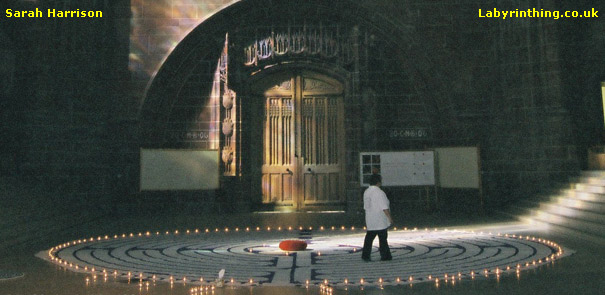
(526, 91)
(582, 47)
(529, 147)
(68, 90)
(492, 83)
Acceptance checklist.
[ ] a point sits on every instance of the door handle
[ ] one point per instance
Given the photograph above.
(310, 171)
(289, 171)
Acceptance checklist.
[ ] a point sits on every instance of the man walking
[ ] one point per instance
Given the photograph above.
(378, 219)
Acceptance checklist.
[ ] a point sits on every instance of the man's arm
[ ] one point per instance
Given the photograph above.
(387, 212)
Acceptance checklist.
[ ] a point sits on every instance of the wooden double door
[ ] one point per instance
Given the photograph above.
(303, 141)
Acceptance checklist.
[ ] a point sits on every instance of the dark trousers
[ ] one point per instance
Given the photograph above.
(383, 245)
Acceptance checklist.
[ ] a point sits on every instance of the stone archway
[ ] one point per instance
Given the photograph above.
(266, 40)
(199, 50)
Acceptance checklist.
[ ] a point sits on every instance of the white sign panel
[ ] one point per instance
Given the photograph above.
(410, 168)
(179, 169)
(458, 167)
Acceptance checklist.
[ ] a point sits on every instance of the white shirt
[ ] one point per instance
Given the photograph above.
(375, 202)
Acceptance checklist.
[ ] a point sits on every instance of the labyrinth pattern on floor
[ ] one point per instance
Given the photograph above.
(252, 256)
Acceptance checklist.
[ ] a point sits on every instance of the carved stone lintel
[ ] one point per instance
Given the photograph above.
(285, 85)
(312, 84)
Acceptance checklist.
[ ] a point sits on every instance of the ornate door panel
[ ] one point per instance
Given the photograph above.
(303, 142)
(320, 148)
(279, 161)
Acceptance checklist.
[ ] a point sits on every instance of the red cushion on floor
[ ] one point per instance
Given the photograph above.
(293, 245)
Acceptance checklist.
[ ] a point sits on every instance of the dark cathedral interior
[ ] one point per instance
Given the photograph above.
(178, 118)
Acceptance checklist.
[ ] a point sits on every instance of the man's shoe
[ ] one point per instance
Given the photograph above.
(366, 259)
(386, 259)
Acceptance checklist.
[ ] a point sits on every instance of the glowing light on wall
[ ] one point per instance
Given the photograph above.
(157, 26)
(603, 94)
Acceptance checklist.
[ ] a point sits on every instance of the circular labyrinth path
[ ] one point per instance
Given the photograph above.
(252, 256)
(9, 275)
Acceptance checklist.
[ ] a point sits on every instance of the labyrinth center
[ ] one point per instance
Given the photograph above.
(252, 256)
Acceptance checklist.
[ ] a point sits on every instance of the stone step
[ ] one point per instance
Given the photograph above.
(581, 196)
(572, 212)
(589, 188)
(595, 207)
(563, 230)
(594, 173)
(589, 180)
(580, 225)
(578, 210)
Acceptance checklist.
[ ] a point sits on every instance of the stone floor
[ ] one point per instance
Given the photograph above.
(580, 273)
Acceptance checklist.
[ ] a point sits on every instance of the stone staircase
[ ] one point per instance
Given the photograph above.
(578, 211)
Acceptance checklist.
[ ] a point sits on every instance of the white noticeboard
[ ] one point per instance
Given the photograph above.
(458, 167)
(409, 168)
(163, 169)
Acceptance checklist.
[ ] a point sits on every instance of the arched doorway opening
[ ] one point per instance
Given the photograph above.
(229, 69)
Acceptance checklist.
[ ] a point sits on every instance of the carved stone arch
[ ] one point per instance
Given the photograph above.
(204, 43)
(199, 51)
